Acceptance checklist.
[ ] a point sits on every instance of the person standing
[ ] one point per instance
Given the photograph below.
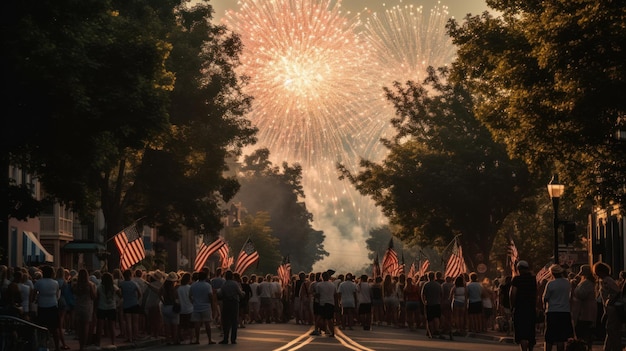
(556, 298)
(170, 308)
(47, 296)
(610, 292)
(432, 294)
(364, 301)
(106, 293)
(254, 302)
(186, 307)
(85, 293)
(523, 298)
(459, 305)
(244, 310)
(230, 293)
(504, 303)
(347, 297)
(201, 295)
(326, 292)
(131, 296)
(412, 297)
(584, 306)
(474, 291)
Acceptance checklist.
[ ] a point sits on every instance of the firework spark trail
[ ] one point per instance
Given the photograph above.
(316, 75)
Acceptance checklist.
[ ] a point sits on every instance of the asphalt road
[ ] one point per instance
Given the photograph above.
(289, 337)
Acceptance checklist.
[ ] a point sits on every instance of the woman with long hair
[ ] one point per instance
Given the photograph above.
(85, 293)
(106, 292)
(186, 308)
(459, 305)
(390, 300)
(171, 314)
(63, 304)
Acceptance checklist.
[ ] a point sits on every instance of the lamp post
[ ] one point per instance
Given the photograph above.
(555, 190)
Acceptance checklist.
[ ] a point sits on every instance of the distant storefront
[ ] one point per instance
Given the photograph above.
(606, 235)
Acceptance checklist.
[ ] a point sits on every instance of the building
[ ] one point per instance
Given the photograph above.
(606, 236)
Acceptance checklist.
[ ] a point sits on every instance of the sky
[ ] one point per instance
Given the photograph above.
(458, 8)
(308, 115)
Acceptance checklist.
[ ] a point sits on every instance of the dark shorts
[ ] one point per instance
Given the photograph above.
(317, 310)
(412, 306)
(133, 310)
(432, 312)
(365, 308)
(48, 317)
(185, 320)
(328, 311)
(475, 307)
(487, 312)
(108, 315)
(558, 327)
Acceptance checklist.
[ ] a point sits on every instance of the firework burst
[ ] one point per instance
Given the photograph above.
(317, 76)
(313, 80)
(406, 41)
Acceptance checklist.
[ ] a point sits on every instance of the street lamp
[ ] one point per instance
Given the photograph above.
(555, 190)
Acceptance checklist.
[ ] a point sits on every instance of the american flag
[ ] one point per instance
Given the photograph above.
(227, 261)
(456, 263)
(401, 267)
(376, 268)
(284, 271)
(513, 257)
(424, 267)
(130, 245)
(543, 274)
(390, 260)
(247, 257)
(205, 251)
(412, 271)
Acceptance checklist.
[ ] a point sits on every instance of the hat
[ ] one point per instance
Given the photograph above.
(585, 270)
(330, 272)
(157, 275)
(556, 269)
(522, 264)
(172, 277)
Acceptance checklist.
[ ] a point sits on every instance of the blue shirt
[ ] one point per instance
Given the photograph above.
(130, 293)
(200, 293)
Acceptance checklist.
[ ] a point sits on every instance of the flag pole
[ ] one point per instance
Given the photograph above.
(134, 223)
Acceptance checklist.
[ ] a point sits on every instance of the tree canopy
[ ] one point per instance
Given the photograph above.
(279, 192)
(548, 79)
(444, 175)
(130, 106)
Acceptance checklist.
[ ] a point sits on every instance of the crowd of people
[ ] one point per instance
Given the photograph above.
(570, 309)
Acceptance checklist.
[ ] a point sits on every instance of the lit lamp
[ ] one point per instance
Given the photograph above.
(555, 190)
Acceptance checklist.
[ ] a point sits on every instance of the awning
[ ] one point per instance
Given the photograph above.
(83, 246)
(33, 251)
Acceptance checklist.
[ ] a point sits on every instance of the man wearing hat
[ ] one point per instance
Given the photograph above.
(523, 297)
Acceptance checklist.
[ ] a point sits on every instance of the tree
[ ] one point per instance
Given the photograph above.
(129, 106)
(265, 242)
(279, 192)
(444, 175)
(548, 78)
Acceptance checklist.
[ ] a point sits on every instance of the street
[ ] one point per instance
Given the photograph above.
(286, 337)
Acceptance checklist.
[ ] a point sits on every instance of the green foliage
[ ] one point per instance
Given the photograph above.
(265, 242)
(444, 175)
(278, 191)
(548, 80)
(130, 106)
